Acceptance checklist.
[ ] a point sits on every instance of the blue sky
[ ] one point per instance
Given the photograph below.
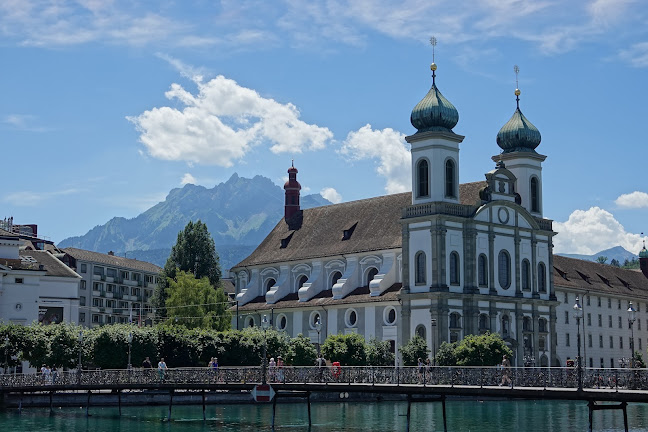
(105, 106)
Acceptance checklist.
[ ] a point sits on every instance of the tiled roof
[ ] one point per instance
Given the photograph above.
(112, 260)
(228, 286)
(33, 259)
(375, 223)
(5, 233)
(325, 298)
(599, 278)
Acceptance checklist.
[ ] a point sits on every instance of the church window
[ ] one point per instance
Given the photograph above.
(526, 324)
(420, 331)
(389, 316)
(454, 268)
(482, 270)
(450, 190)
(423, 182)
(420, 269)
(372, 273)
(505, 326)
(282, 322)
(542, 278)
(542, 325)
(504, 269)
(455, 320)
(250, 322)
(526, 275)
(270, 283)
(336, 277)
(483, 322)
(535, 196)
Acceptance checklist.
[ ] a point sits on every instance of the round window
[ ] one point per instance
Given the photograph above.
(390, 316)
(352, 318)
(283, 322)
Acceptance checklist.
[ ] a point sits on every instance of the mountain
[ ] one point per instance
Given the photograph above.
(618, 253)
(239, 214)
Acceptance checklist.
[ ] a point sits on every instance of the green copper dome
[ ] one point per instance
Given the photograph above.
(518, 134)
(434, 112)
(643, 253)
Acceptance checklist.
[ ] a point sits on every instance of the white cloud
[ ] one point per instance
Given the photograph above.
(389, 148)
(31, 198)
(222, 123)
(24, 122)
(331, 194)
(636, 55)
(188, 179)
(635, 199)
(591, 231)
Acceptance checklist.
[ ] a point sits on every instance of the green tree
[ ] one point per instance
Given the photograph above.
(445, 355)
(615, 263)
(194, 303)
(302, 352)
(178, 345)
(194, 252)
(379, 353)
(481, 350)
(601, 259)
(414, 349)
(638, 360)
(15, 341)
(349, 350)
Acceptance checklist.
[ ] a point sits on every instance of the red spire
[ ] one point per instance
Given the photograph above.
(292, 188)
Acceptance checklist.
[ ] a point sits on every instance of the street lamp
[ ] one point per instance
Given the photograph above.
(578, 314)
(264, 324)
(433, 323)
(79, 366)
(130, 344)
(632, 316)
(318, 327)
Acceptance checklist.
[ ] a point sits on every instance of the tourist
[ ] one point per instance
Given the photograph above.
(146, 364)
(428, 367)
(421, 369)
(162, 367)
(506, 371)
(280, 372)
(272, 367)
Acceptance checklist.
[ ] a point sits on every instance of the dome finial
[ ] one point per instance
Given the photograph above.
(433, 66)
(516, 69)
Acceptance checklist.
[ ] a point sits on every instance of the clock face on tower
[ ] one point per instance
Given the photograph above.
(503, 215)
(18, 306)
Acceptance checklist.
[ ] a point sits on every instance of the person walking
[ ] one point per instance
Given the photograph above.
(162, 368)
(506, 372)
(146, 364)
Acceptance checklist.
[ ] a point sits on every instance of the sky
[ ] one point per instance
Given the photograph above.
(105, 106)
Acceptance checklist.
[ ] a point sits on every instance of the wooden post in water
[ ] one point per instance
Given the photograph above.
(310, 423)
(119, 401)
(409, 411)
(51, 407)
(274, 409)
(170, 403)
(20, 403)
(88, 404)
(443, 407)
(203, 400)
(624, 406)
(590, 405)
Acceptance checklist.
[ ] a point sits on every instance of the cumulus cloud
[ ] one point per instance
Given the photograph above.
(331, 194)
(591, 231)
(635, 199)
(222, 122)
(188, 179)
(388, 148)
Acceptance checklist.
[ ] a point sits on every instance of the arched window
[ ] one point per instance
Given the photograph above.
(420, 331)
(455, 320)
(504, 269)
(423, 175)
(542, 325)
(535, 195)
(335, 278)
(270, 283)
(420, 270)
(482, 270)
(542, 278)
(302, 281)
(526, 275)
(505, 326)
(526, 324)
(250, 322)
(483, 322)
(454, 268)
(450, 190)
(372, 273)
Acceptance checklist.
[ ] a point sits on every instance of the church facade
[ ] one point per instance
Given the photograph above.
(442, 262)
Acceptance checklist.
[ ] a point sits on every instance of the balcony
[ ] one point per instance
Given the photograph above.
(130, 282)
(96, 293)
(97, 276)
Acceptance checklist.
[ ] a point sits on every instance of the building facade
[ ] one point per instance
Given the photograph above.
(443, 261)
(112, 289)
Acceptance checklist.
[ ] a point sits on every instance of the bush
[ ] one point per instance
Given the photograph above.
(414, 349)
(302, 352)
(481, 350)
(445, 356)
(349, 350)
(379, 353)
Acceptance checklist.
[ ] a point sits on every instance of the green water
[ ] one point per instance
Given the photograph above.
(487, 416)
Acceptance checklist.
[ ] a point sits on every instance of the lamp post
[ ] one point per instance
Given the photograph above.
(318, 327)
(130, 344)
(578, 314)
(79, 366)
(632, 316)
(264, 324)
(6, 344)
(433, 323)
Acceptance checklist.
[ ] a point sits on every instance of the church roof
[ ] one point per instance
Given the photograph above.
(594, 277)
(372, 224)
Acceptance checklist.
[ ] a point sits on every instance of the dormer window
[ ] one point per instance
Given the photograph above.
(347, 233)
(605, 281)
(286, 240)
(625, 284)
(584, 276)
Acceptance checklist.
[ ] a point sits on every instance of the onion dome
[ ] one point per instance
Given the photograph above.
(434, 112)
(518, 134)
(643, 253)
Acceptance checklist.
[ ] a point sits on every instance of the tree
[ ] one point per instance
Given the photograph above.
(638, 360)
(194, 303)
(615, 263)
(379, 353)
(194, 252)
(302, 352)
(445, 355)
(601, 259)
(481, 350)
(349, 350)
(414, 349)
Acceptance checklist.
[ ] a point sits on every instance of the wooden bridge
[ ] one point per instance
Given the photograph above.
(600, 388)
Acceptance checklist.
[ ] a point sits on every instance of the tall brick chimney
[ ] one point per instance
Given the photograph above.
(292, 188)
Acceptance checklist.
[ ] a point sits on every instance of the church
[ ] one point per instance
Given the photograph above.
(443, 261)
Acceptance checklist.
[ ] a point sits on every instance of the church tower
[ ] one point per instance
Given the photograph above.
(518, 139)
(435, 147)
(292, 188)
(643, 260)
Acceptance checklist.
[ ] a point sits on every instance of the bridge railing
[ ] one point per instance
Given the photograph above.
(425, 376)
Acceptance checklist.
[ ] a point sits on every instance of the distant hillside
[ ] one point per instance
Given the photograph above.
(618, 253)
(239, 214)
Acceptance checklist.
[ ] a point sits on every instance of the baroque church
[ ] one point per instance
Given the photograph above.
(443, 261)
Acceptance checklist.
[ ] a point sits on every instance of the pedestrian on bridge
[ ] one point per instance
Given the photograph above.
(506, 372)
(162, 367)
